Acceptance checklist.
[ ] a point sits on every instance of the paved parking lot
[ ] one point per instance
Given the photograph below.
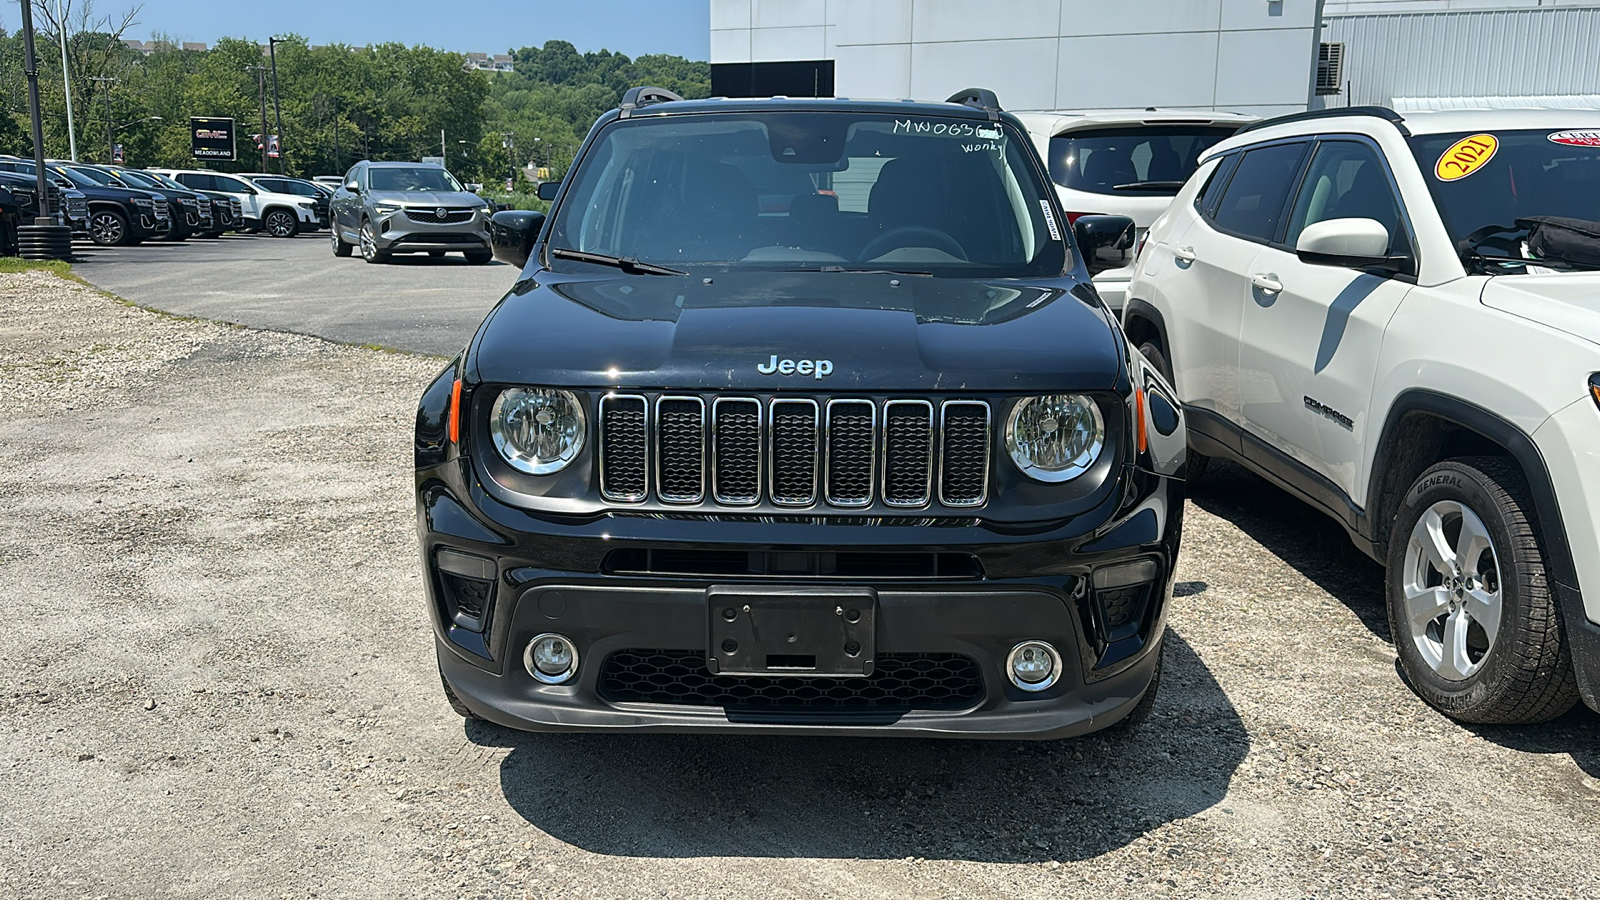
(218, 681)
(411, 303)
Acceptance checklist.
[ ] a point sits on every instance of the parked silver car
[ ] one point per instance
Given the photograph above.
(386, 208)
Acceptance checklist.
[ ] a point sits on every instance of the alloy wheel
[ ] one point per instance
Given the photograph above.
(279, 224)
(106, 229)
(1451, 583)
(369, 247)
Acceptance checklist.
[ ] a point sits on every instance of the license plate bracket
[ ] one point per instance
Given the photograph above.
(781, 631)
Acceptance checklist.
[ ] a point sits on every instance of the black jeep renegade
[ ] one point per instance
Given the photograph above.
(803, 416)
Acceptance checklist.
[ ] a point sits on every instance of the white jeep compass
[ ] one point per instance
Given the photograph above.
(1398, 320)
(1124, 162)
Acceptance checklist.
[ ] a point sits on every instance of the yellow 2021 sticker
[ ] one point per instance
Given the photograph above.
(1466, 156)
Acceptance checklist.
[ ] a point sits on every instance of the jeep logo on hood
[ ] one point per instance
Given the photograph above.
(816, 368)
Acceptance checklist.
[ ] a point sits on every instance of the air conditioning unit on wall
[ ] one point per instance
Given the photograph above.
(1330, 69)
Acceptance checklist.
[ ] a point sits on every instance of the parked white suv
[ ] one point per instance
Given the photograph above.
(280, 215)
(1377, 314)
(1128, 162)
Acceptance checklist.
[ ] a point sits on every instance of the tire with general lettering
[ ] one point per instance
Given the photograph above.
(1470, 604)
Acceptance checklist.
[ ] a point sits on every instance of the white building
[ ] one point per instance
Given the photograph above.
(1256, 56)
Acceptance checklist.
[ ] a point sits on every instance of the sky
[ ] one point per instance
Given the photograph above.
(633, 27)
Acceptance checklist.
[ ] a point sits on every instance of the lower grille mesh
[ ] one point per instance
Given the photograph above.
(900, 681)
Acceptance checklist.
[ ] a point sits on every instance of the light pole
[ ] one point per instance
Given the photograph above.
(66, 80)
(43, 239)
(277, 112)
(108, 82)
(508, 141)
(261, 94)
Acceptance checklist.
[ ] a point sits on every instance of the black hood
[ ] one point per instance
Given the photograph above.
(877, 333)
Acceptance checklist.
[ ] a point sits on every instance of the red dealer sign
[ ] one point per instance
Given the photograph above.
(212, 138)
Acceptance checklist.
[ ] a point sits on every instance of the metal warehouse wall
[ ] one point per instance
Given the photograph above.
(1247, 55)
(1542, 56)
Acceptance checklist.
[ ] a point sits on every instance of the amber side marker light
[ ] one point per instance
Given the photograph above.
(1144, 436)
(1594, 388)
(455, 412)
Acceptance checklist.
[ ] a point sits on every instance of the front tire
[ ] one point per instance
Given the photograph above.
(455, 702)
(369, 245)
(479, 257)
(109, 228)
(280, 223)
(341, 248)
(1470, 606)
(1195, 464)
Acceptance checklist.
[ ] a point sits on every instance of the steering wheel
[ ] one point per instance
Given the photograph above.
(895, 238)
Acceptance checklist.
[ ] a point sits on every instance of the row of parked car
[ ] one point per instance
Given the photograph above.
(114, 206)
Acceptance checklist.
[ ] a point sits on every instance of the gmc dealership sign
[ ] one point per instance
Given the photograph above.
(212, 138)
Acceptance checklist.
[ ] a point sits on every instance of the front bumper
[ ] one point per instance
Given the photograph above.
(553, 575)
(397, 232)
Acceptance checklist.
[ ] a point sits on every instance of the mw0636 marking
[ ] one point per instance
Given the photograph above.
(1576, 138)
(1466, 156)
(946, 129)
(816, 368)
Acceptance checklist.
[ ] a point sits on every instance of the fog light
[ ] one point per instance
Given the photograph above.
(1034, 665)
(551, 658)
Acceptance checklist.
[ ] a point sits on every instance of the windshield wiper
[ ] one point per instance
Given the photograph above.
(625, 263)
(1149, 186)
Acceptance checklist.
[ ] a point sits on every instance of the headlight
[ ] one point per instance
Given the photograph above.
(142, 201)
(1055, 437)
(308, 205)
(386, 207)
(537, 430)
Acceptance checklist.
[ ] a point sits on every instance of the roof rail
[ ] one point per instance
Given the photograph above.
(978, 98)
(1335, 112)
(637, 97)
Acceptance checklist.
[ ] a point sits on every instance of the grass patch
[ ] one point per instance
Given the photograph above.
(57, 267)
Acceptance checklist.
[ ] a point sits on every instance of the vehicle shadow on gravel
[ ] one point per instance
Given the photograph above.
(692, 795)
(1308, 541)
(1318, 548)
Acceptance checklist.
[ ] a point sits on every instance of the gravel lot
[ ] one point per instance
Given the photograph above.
(216, 680)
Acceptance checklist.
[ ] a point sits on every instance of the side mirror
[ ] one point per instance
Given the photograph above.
(1351, 243)
(512, 233)
(352, 187)
(1105, 241)
(549, 189)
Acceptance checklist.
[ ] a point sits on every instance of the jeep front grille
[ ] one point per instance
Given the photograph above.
(794, 452)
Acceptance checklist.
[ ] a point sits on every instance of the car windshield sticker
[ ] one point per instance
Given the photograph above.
(1466, 156)
(1050, 220)
(1577, 138)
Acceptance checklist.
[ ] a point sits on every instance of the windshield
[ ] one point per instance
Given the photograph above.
(93, 175)
(1148, 160)
(1496, 178)
(164, 181)
(76, 177)
(138, 179)
(419, 178)
(815, 191)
